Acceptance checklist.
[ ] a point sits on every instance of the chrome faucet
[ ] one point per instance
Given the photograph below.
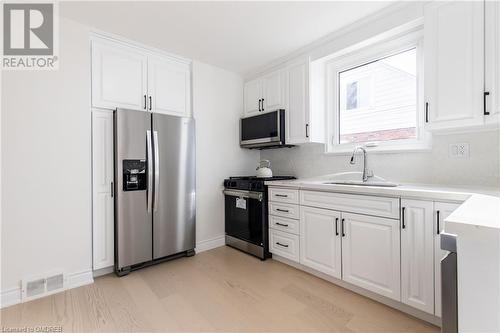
(366, 173)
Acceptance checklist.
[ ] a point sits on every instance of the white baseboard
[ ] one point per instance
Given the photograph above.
(80, 279)
(10, 297)
(104, 271)
(13, 296)
(211, 243)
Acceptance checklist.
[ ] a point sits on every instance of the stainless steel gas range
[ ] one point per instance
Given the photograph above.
(246, 214)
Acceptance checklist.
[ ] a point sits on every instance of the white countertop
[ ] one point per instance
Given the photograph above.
(417, 191)
(478, 210)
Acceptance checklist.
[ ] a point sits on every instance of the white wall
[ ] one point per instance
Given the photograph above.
(46, 162)
(46, 165)
(430, 167)
(217, 107)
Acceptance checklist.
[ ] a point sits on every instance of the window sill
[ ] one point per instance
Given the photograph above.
(420, 147)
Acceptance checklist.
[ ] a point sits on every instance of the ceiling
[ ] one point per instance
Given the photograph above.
(237, 36)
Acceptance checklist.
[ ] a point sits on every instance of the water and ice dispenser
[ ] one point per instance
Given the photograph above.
(134, 175)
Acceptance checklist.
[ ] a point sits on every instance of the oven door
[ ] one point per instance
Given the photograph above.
(244, 215)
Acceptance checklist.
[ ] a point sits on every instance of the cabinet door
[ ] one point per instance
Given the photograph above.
(441, 211)
(454, 63)
(273, 91)
(417, 254)
(320, 240)
(492, 56)
(253, 97)
(371, 254)
(169, 86)
(118, 76)
(102, 182)
(297, 119)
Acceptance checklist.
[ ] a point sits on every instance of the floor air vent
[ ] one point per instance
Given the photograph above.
(55, 282)
(42, 286)
(35, 288)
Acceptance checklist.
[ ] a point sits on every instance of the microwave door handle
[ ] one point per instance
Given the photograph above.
(157, 170)
(149, 162)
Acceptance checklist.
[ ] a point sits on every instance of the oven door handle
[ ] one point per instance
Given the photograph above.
(244, 194)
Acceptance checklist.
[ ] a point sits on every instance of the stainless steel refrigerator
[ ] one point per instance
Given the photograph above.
(154, 188)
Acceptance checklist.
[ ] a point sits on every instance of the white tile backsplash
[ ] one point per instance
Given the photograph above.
(482, 168)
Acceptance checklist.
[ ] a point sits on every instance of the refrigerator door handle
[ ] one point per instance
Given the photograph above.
(149, 196)
(157, 170)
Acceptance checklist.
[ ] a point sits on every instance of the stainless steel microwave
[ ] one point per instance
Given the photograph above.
(265, 130)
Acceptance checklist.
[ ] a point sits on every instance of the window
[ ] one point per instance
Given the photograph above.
(374, 97)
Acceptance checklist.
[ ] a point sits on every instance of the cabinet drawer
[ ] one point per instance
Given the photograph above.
(284, 224)
(284, 195)
(284, 244)
(284, 210)
(362, 204)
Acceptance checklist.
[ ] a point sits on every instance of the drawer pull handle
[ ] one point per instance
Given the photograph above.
(336, 226)
(284, 245)
(281, 224)
(282, 210)
(343, 228)
(281, 195)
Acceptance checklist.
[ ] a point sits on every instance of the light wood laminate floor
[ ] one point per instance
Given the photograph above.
(218, 290)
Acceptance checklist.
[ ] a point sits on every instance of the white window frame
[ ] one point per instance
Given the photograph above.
(363, 56)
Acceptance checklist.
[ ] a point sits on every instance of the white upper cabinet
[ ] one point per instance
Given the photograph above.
(492, 56)
(119, 76)
(169, 86)
(454, 64)
(441, 211)
(371, 254)
(287, 88)
(297, 108)
(273, 91)
(417, 255)
(253, 97)
(135, 78)
(102, 188)
(320, 240)
(264, 94)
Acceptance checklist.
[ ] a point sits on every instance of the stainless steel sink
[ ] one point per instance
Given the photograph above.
(361, 183)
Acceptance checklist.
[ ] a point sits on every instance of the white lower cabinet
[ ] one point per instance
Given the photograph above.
(284, 244)
(102, 179)
(395, 254)
(320, 239)
(441, 211)
(417, 256)
(371, 253)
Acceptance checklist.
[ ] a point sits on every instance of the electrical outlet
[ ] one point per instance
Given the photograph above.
(458, 150)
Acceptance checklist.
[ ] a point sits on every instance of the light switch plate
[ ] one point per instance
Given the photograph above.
(458, 150)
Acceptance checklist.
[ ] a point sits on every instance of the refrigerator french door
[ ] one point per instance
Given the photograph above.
(154, 188)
